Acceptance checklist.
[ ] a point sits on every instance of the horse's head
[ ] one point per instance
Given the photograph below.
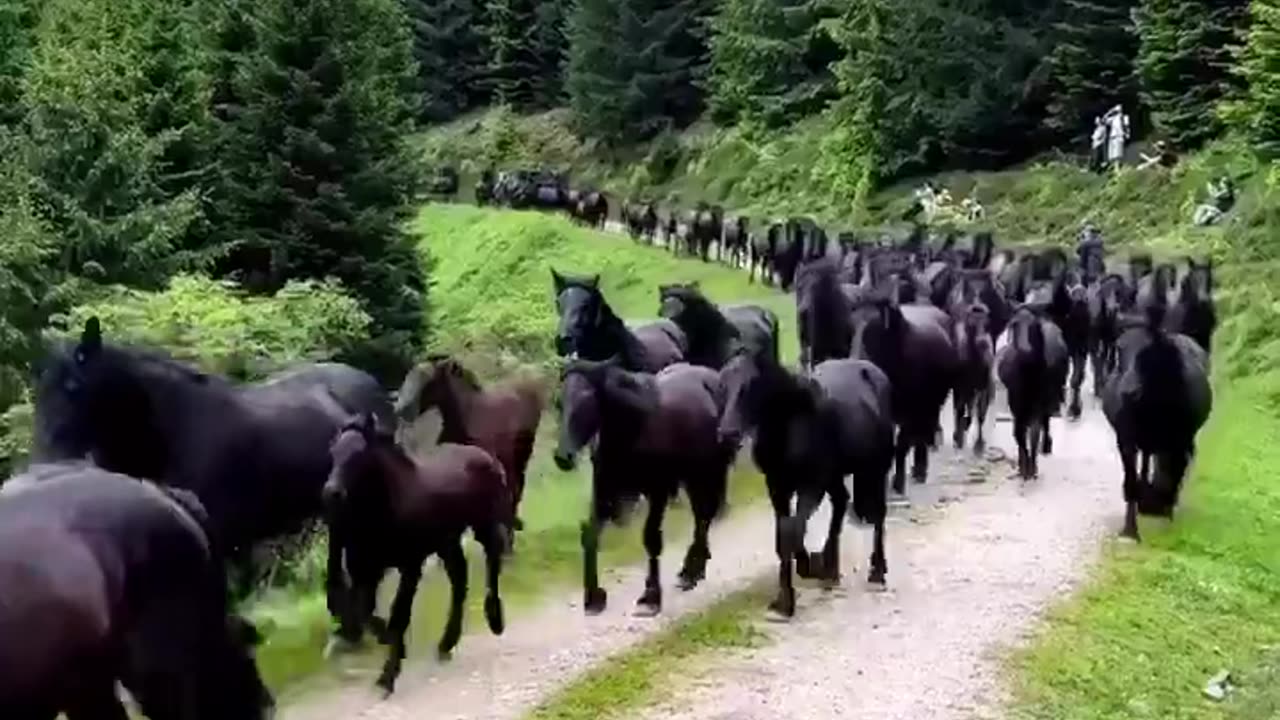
(677, 301)
(580, 306)
(92, 399)
(354, 472)
(878, 328)
(1026, 334)
(427, 384)
(1197, 284)
(741, 410)
(579, 404)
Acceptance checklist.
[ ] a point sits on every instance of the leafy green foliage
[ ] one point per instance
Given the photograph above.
(635, 67)
(17, 21)
(449, 50)
(218, 327)
(1184, 62)
(1257, 113)
(1092, 65)
(769, 61)
(315, 179)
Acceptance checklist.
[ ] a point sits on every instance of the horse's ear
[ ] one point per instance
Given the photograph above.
(245, 632)
(695, 285)
(594, 282)
(90, 339)
(557, 280)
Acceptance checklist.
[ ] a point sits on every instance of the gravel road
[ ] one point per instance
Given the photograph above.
(971, 566)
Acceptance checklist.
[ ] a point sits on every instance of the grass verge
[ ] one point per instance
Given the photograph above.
(492, 306)
(1197, 596)
(637, 676)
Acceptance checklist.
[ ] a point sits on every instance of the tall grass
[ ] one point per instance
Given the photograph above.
(493, 308)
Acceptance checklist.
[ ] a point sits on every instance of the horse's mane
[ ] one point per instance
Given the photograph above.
(379, 439)
(453, 368)
(150, 361)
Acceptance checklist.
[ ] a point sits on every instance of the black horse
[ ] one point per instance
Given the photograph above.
(1193, 313)
(971, 396)
(823, 314)
(761, 249)
(794, 241)
(591, 208)
(654, 435)
(641, 220)
(1156, 402)
(1106, 299)
(912, 344)
(706, 224)
(811, 431)
(395, 513)
(736, 235)
(256, 456)
(1033, 369)
(974, 286)
(109, 579)
(590, 330)
(716, 334)
(355, 390)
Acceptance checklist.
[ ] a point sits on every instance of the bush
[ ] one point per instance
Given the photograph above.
(214, 326)
(220, 329)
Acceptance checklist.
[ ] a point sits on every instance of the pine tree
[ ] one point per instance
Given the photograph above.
(549, 45)
(1184, 62)
(636, 67)
(1092, 65)
(316, 179)
(98, 132)
(760, 52)
(1257, 112)
(17, 27)
(510, 30)
(450, 53)
(856, 152)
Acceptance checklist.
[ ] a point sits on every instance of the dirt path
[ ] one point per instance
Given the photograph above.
(971, 566)
(962, 589)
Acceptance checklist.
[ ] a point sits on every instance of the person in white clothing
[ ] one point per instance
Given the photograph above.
(1117, 135)
(1098, 145)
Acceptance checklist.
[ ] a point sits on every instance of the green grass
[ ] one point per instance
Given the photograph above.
(492, 306)
(639, 676)
(1197, 596)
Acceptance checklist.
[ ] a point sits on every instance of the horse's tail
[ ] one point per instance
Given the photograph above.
(504, 515)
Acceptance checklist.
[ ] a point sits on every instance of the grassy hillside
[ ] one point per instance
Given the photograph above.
(1199, 595)
(492, 306)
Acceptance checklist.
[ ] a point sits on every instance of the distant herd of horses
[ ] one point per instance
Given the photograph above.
(151, 478)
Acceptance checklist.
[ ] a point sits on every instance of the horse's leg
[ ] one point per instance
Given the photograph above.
(920, 457)
(983, 402)
(650, 602)
(594, 597)
(1098, 356)
(493, 543)
(830, 560)
(1034, 430)
(1045, 438)
(900, 461)
(1132, 489)
(1078, 360)
(335, 586)
(402, 610)
(704, 503)
(785, 602)
(455, 566)
(806, 504)
(958, 402)
(1020, 438)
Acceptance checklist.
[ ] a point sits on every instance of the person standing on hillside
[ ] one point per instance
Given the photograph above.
(1098, 145)
(1089, 241)
(1117, 135)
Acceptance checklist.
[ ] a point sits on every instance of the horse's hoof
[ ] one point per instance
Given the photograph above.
(594, 601)
(493, 613)
(687, 582)
(387, 684)
(898, 499)
(337, 645)
(647, 609)
(781, 610)
(830, 580)
(876, 581)
(444, 654)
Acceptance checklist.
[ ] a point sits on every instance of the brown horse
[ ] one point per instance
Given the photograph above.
(502, 419)
(395, 513)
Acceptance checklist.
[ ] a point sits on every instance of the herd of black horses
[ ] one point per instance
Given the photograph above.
(150, 478)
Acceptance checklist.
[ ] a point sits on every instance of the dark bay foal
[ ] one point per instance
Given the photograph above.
(501, 418)
(654, 434)
(395, 513)
(971, 396)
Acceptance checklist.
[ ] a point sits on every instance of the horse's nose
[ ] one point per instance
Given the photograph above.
(730, 436)
(564, 460)
(333, 495)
